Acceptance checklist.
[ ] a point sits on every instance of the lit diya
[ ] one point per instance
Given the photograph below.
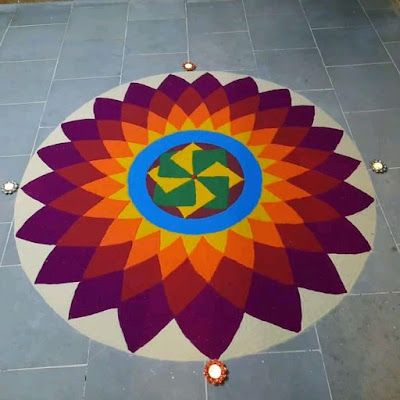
(215, 372)
(379, 166)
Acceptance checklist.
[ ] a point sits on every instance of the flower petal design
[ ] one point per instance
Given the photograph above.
(196, 201)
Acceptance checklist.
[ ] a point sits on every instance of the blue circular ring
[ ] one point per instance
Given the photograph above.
(243, 206)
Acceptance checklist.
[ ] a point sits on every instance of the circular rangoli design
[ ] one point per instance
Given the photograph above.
(195, 215)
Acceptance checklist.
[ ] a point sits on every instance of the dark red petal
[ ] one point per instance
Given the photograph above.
(322, 138)
(92, 149)
(210, 322)
(346, 199)
(339, 166)
(81, 173)
(308, 158)
(139, 94)
(289, 136)
(65, 264)
(315, 271)
(77, 201)
(105, 108)
(232, 281)
(298, 236)
(189, 100)
(46, 226)
(206, 84)
(173, 86)
(60, 155)
(95, 295)
(274, 302)
(314, 182)
(110, 130)
(311, 209)
(272, 118)
(47, 187)
(300, 116)
(275, 99)
(340, 237)
(244, 107)
(142, 317)
(83, 129)
(241, 89)
(108, 259)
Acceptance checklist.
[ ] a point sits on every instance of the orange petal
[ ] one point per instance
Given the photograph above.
(104, 187)
(107, 208)
(286, 191)
(243, 124)
(171, 257)
(135, 133)
(276, 151)
(144, 248)
(262, 136)
(117, 148)
(281, 213)
(265, 233)
(205, 259)
(240, 249)
(156, 123)
(108, 166)
(120, 231)
(285, 170)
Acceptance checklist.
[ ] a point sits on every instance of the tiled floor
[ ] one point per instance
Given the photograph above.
(342, 54)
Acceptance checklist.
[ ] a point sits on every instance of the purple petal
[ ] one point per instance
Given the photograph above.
(206, 84)
(173, 86)
(275, 99)
(95, 295)
(339, 237)
(346, 199)
(339, 166)
(142, 317)
(46, 226)
(315, 271)
(82, 129)
(210, 322)
(322, 138)
(47, 187)
(65, 264)
(300, 116)
(241, 89)
(60, 155)
(139, 94)
(107, 109)
(274, 302)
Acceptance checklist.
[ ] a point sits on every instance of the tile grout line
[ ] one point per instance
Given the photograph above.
(124, 46)
(326, 70)
(372, 110)
(289, 351)
(373, 293)
(250, 39)
(20, 104)
(187, 31)
(285, 49)
(33, 25)
(85, 77)
(379, 36)
(206, 389)
(358, 65)
(387, 221)
(41, 368)
(323, 362)
(15, 155)
(86, 370)
(53, 77)
(24, 61)
(158, 54)
(6, 30)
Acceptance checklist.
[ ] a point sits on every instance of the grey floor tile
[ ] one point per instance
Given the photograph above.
(367, 87)
(216, 17)
(18, 127)
(43, 133)
(116, 375)
(11, 168)
(282, 31)
(360, 343)
(388, 189)
(222, 51)
(377, 135)
(371, 4)
(33, 14)
(394, 50)
(32, 43)
(68, 95)
(23, 82)
(327, 101)
(140, 66)
(333, 14)
(381, 271)
(80, 58)
(257, 7)
(34, 335)
(165, 36)
(156, 9)
(299, 69)
(344, 46)
(10, 250)
(101, 21)
(48, 384)
(286, 376)
(387, 23)
(306, 340)
(4, 229)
